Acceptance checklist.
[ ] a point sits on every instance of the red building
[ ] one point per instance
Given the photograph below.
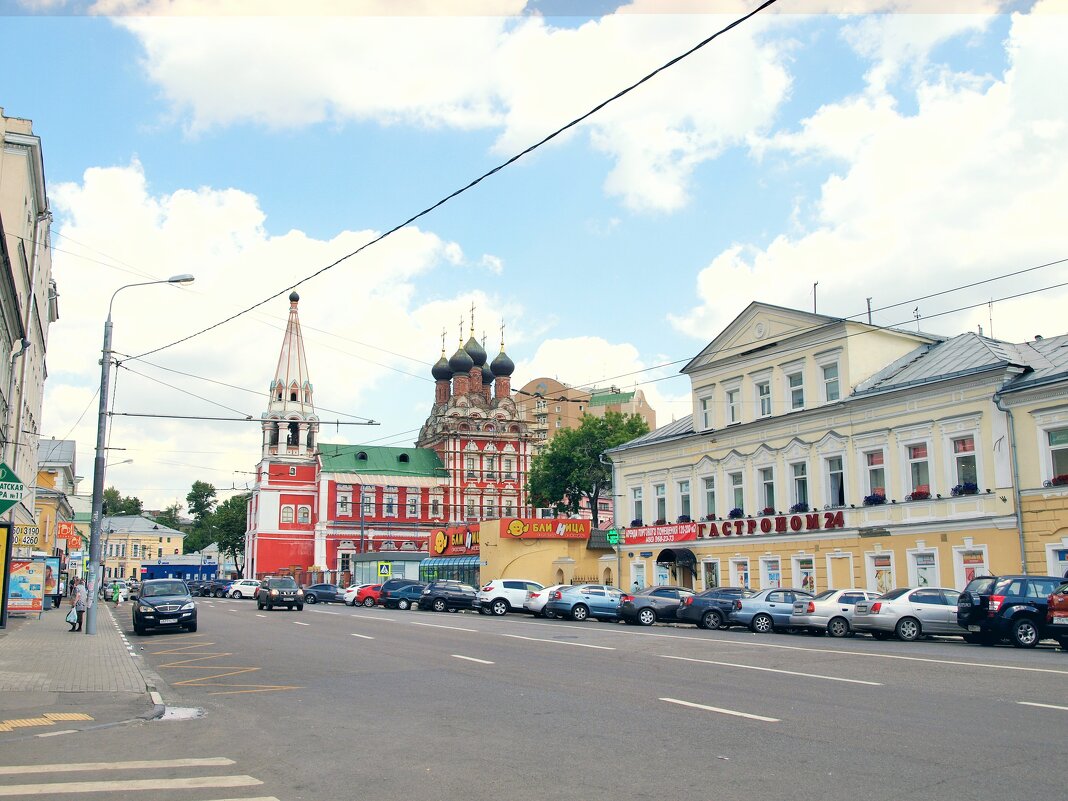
(331, 508)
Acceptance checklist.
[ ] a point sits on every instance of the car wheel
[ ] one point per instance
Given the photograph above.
(218, 593)
(907, 629)
(237, 594)
(1025, 633)
(499, 607)
(762, 624)
(548, 615)
(579, 612)
(191, 627)
(646, 617)
(368, 602)
(838, 627)
(289, 607)
(139, 630)
(880, 635)
(309, 598)
(403, 604)
(439, 605)
(712, 620)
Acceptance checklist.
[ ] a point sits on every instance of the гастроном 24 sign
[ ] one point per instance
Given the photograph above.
(743, 527)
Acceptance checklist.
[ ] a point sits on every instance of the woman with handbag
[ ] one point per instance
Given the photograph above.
(77, 606)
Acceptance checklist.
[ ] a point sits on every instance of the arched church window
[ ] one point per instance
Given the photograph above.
(287, 514)
(311, 439)
(304, 514)
(292, 396)
(294, 434)
(274, 434)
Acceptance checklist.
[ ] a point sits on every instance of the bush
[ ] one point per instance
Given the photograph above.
(735, 513)
(874, 499)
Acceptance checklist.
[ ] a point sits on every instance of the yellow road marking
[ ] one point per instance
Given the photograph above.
(194, 654)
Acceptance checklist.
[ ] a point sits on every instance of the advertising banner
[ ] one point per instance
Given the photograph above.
(51, 576)
(27, 536)
(26, 586)
(5, 555)
(681, 532)
(454, 541)
(527, 528)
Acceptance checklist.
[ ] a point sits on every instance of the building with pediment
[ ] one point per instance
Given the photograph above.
(830, 453)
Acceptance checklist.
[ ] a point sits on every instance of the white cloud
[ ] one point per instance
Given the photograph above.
(970, 186)
(517, 74)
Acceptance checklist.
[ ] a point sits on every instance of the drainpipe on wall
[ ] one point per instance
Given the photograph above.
(1015, 480)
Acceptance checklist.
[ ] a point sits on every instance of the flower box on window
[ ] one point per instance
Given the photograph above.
(967, 488)
(918, 495)
(798, 508)
(709, 517)
(1060, 481)
(875, 499)
(683, 519)
(660, 521)
(735, 513)
(636, 523)
(767, 510)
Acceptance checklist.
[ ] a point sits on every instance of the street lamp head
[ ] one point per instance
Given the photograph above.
(184, 278)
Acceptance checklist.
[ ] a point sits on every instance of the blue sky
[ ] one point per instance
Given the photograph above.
(885, 155)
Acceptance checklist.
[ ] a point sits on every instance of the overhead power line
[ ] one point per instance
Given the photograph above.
(472, 184)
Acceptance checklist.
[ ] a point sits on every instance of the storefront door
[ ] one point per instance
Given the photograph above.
(925, 567)
(637, 574)
(661, 575)
(805, 573)
(711, 571)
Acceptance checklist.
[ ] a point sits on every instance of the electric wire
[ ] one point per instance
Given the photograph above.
(472, 184)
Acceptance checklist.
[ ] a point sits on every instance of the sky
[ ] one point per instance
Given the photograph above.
(896, 151)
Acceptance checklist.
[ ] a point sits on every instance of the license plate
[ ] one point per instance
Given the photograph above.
(164, 622)
(1060, 621)
(974, 628)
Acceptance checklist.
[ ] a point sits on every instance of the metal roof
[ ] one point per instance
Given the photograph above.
(383, 461)
(137, 524)
(1048, 359)
(56, 451)
(679, 428)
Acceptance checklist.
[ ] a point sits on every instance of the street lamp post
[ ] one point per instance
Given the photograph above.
(95, 566)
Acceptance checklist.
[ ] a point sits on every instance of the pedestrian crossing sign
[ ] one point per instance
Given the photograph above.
(385, 570)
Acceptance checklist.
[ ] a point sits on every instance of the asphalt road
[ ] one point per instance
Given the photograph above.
(341, 703)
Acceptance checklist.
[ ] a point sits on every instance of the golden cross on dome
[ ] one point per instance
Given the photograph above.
(443, 333)
(472, 318)
(502, 336)
(461, 330)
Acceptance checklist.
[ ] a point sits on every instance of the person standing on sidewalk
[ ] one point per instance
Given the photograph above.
(78, 602)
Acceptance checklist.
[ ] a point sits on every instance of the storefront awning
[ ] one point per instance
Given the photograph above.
(677, 556)
(450, 561)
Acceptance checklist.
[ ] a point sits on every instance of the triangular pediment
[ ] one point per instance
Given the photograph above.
(761, 324)
(831, 442)
(796, 449)
(733, 459)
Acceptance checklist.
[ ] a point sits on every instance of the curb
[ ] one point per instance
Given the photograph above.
(150, 679)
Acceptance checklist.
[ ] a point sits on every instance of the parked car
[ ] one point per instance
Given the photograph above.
(324, 594)
(652, 604)
(536, 600)
(350, 593)
(195, 587)
(995, 608)
(243, 588)
(403, 597)
(766, 610)
(446, 594)
(830, 612)
(909, 614)
(217, 587)
(164, 604)
(279, 591)
(1057, 615)
(367, 595)
(501, 596)
(393, 584)
(133, 588)
(585, 601)
(710, 609)
(107, 590)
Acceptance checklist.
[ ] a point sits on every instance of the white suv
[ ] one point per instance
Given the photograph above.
(501, 596)
(244, 588)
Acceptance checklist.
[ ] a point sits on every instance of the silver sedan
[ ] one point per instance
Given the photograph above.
(909, 613)
(830, 611)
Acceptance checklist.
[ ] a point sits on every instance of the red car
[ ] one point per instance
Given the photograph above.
(1057, 616)
(368, 596)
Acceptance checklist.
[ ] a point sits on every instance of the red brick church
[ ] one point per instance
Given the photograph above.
(325, 508)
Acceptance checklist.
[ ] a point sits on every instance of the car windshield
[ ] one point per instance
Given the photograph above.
(283, 584)
(889, 596)
(824, 594)
(980, 586)
(163, 588)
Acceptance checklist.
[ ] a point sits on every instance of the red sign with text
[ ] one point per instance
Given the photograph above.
(651, 535)
(529, 528)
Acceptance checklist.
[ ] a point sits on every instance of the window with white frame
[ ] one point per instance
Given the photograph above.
(874, 461)
(835, 481)
(796, 382)
(133, 550)
(770, 572)
(830, 382)
(705, 405)
(919, 468)
(684, 498)
(799, 471)
(737, 490)
(472, 471)
(287, 514)
(507, 507)
(767, 487)
(368, 502)
(1058, 451)
(304, 514)
(710, 496)
(435, 507)
(491, 468)
(636, 502)
(509, 468)
(471, 509)
(734, 413)
(763, 391)
(413, 505)
(964, 460)
(660, 492)
(344, 502)
(389, 505)
(739, 572)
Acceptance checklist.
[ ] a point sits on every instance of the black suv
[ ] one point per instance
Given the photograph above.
(710, 609)
(279, 591)
(446, 594)
(216, 587)
(390, 587)
(995, 608)
(404, 597)
(164, 604)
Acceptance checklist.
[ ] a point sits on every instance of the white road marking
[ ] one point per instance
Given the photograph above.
(733, 712)
(439, 626)
(560, 642)
(1044, 706)
(772, 670)
(363, 636)
(257, 798)
(259, 615)
(472, 659)
(301, 624)
(324, 612)
(56, 733)
(192, 782)
(138, 764)
(366, 617)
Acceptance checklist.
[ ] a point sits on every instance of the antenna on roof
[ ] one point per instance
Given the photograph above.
(916, 314)
(869, 311)
(990, 314)
(814, 296)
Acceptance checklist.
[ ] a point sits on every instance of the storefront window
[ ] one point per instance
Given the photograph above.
(739, 572)
(684, 498)
(711, 575)
(835, 481)
(964, 455)
(876, 473)
(919, 471)
(710, 496)
(881, 575)
(805, 573)
(800, 473)
(926, 568)
(770, 572)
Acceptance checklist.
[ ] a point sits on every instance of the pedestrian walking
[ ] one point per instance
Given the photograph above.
(117, 589)
(78, 604)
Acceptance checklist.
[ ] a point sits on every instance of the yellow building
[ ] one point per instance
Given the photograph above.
(56, 485)
(828, 453)
(132, 540)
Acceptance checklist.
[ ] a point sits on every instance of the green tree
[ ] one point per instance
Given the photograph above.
(169, 516)
(570, 467)
(230, 524)
(115, 504)
(201, 500)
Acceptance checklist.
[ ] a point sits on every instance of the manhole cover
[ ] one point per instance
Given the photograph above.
(182, 713)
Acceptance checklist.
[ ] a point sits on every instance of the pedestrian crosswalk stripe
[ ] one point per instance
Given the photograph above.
(120, 785)
(138, 764)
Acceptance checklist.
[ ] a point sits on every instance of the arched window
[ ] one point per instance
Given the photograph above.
(403, 458)
(304, 514)
(294, 434)
(361, 456)
(274, 433)
(311, 439)
(287, 514)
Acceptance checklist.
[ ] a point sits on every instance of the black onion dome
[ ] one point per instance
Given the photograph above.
(487, 375)
(502, 365)
(476, 352)
(441, 370)
(461, 362)
(293, 297)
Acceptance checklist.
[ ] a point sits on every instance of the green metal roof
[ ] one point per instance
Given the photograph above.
(381, 460)
(616, 397)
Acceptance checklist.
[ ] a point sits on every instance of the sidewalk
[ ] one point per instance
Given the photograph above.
(43, 667)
